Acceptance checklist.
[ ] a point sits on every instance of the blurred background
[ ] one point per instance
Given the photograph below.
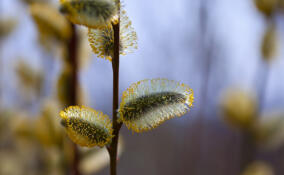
(229, 52)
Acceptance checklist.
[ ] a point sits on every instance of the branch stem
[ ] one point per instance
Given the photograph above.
(112, 149)
(72, 47)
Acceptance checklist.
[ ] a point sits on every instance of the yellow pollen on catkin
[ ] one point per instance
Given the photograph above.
(148, 103)
(102, 39)
(87, 127)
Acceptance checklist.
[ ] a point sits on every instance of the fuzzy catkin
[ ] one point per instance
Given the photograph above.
(148, 103)
(90, 13)
(86, 126)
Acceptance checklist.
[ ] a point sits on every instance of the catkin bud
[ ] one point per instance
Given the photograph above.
(47, 130)
(90, 13)
(239, 109)
(63, 85)
(148, 103)
(258, 168)
(86, 126)
(269, 131)
(269, 43)
(50, 22)
(29, 78)
(267, 7)
(7, 25)
(102, 39)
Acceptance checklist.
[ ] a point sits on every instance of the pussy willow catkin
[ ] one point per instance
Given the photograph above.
(90, 13)
(148, 103)
(102, 39)
(86, 126)
(44, 17)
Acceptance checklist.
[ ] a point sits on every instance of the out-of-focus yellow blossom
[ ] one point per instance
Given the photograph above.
(63, 88)
(47, 128)
(7, 122)
(86, 126)
(23, 128)
(102, 40)
(24, 147)
(239, 108)
(269, 131)
(269, 43)
(53, 163)
(26, 155)
(8, 160)
(50, 23)
(258, 168)
(5, 117)
(267, 7)
(91, 13)
(44, 129)
(7, 25)
(29, 78)
(64, 83)
(148, 103)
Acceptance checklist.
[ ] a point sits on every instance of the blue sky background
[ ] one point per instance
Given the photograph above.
(169, 47)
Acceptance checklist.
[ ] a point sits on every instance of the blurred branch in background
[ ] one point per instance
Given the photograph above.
(268, 51)
(207, 47)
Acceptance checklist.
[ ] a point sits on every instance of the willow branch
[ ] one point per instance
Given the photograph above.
(72, 56)
(112, 149)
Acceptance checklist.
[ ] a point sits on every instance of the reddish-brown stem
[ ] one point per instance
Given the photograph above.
(112, 149)
(116, 126)
(72, 57)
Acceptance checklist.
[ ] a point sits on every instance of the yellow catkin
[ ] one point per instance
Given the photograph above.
(30, 79)
(63, 85)
(102, 39)
(148, 103)
(7, 25)
(44, 16)
(269, 131)
(267, 7)
(239, 108)
(90, 13)
(87, 127)
(269, 45)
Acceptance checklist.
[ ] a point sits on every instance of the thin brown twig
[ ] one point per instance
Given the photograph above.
(112, 149)
(249, 147)
(116, 126)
